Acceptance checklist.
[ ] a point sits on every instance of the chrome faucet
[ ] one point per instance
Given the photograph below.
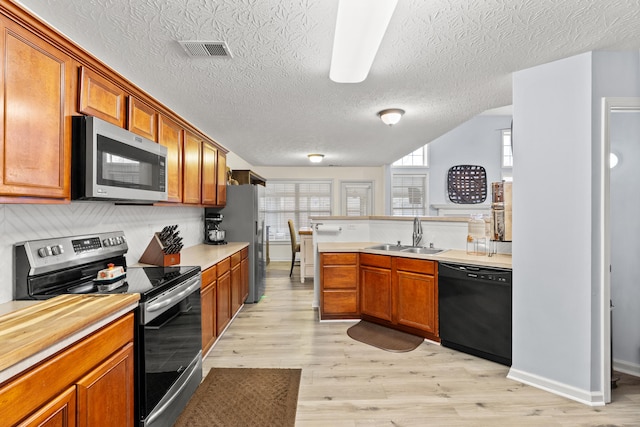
(417, 231)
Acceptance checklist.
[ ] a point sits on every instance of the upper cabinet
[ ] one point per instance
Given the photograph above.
(101, 98)
(142, 119)
(171, 135)
(37, 86)
(209, 177)
(192, 172)
(222, 179)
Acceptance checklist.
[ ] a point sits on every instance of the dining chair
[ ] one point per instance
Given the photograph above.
(295, 246)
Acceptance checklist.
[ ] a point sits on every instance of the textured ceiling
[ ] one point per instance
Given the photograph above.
(442, 61)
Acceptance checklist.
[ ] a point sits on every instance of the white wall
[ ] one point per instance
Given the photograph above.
(475, 142)
(557, 264)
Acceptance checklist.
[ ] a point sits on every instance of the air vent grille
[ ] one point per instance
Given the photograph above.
(203, 49)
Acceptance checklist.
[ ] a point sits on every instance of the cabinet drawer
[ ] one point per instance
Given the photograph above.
(245, 252)
(382, 261)
(209, 276)
(339, 302)
(235, 259)
(339, 258)
(339, 277)
(416, 265)
(223, 266)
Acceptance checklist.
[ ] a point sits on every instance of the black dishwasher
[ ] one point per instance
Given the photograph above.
(475, 310)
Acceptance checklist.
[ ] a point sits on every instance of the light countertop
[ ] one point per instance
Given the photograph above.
(206, 256)
(450, 255)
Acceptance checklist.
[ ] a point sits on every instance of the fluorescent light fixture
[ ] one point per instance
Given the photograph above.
(360, 26)
(391, 116)
(315, 158)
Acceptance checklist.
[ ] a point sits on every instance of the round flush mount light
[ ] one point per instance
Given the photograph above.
(315, 158)
(391, 116)
(613, 160)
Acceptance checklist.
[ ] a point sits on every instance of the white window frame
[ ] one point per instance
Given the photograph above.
(344, 191)
(300, 217)
(422, 210)
(506, 149)
(407, 161)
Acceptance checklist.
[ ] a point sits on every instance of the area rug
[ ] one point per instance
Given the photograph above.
(382, 337)
(244, 397)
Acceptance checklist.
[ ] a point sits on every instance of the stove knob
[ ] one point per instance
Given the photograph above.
(55, 250)
(49, 251)
(118, 240)
(42, 252)
(105, 243)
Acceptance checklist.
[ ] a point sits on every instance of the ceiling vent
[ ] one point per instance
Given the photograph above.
(202, 49)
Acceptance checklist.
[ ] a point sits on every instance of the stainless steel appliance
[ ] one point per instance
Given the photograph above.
(475, 310)
(244, 222)
(213, 234)
(111, 163)
(168, 337)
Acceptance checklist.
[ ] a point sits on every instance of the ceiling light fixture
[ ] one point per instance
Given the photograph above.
(315, 158)
(360, 26)
(391, 116)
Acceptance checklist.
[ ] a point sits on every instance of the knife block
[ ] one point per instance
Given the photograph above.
(154, 254)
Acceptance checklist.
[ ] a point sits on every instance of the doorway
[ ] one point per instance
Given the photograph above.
(621, 238)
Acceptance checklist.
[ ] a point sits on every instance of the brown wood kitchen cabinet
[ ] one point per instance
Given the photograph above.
(35, 152)
(208, 304)
(90, 383)
(192, 170)
(171, 135)
(142, 119)
(209, 174)
(221, 181)
(101, 98)
(223, 295)
(400, 292)
(236, 283)
(244, 269)
(339, 286)
(375, 286)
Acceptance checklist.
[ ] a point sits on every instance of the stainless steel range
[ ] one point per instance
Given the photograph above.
(168, 336)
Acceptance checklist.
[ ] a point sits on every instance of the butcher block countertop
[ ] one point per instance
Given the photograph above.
(450, 255)
(40, 329)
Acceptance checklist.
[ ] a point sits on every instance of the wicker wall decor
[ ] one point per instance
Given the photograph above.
(467, 184)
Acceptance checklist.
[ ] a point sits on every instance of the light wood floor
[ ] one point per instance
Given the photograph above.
(347, 383)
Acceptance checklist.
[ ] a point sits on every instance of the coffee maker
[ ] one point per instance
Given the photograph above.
(213, 235)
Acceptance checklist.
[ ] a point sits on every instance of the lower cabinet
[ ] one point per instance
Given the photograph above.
(89, 383)
(225, 286)
(394, 291)
(339, 286)
(223, 295)
(208, 301)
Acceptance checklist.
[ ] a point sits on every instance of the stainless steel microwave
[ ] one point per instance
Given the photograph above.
(111, 163)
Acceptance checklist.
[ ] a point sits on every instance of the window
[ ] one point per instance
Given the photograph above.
(357, 198)
(408, 195)
(417, 158)
(507, 149)
(296, 200)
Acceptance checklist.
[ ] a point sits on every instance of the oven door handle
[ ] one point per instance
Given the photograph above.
(177, 297)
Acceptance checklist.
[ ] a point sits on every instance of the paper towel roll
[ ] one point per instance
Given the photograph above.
(321, 228)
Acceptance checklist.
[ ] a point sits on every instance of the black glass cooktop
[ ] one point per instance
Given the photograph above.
(149, 281)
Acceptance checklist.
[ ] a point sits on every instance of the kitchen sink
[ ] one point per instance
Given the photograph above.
(421, 250)
(388, 247)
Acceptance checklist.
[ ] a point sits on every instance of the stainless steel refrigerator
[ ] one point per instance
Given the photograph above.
(244, 222)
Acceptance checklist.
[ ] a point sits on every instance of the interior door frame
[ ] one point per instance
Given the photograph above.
(609, 105)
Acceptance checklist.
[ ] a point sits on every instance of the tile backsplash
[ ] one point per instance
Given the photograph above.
(31, 222)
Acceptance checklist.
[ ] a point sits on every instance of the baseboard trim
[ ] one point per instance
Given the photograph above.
(626, 367)
(583, 396)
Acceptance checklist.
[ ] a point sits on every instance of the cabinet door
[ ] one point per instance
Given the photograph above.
(207, 298)
(223, 302)
(142, 119)
(244, 271)
(221, 181)
(209, 162)
(375, 292)
(171, 136)
(192, 171)
(416, 301)
(101, 98)
(35, 136)
(60, 412)
(105, 395)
